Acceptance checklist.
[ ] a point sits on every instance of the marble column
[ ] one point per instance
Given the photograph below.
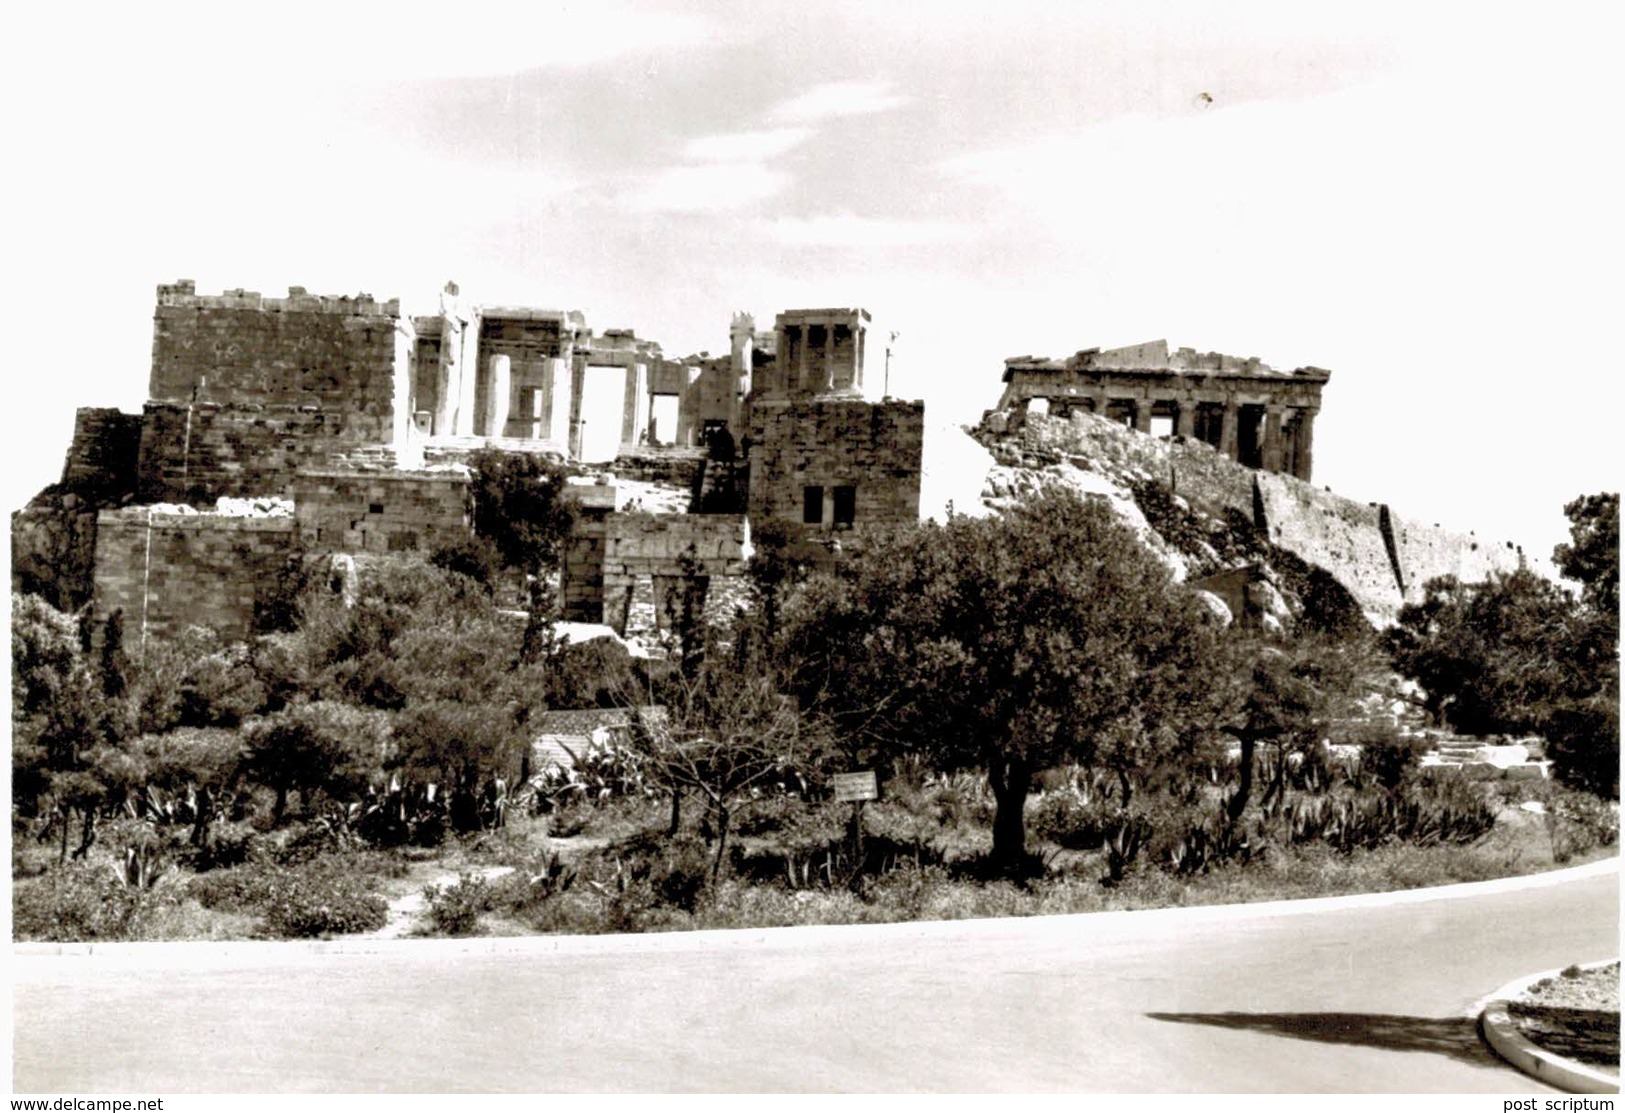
(498, 387)
(1271, 456)
(578, 376)
(1142, 414)
(1232, 427)
(801, 333)
(1304, 457)
(1185, 422)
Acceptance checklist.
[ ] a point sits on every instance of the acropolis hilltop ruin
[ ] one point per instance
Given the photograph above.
(282, 428)
(1249, 411)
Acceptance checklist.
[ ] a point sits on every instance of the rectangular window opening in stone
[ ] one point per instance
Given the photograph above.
(812, 505)
(375, 508)
(846, 505)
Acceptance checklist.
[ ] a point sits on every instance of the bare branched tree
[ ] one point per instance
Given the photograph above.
(726, 733)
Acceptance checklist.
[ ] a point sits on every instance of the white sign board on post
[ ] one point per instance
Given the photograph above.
(852, 787)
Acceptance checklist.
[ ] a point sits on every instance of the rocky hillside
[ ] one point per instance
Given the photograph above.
(1275, 547)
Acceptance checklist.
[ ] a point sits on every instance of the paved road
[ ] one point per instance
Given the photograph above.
(1353, 999)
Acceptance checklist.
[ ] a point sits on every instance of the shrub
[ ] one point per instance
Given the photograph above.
(323, 897)
(531, 885)
(1389, 757)
(85, 902)
(309, 906)
(455, 909)
(680, 874)
(779, 812)
(474, 557)
(1578, 822)
(1072, 821)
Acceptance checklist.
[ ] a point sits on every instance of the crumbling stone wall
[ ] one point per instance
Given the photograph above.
(238, 347)
(380, 511)
(245, 389)
(169, 571)
(677, 466)
(197, 453)
(873, 447)
(53, 538)
(614, 561)
(103, 457)
(675, 553)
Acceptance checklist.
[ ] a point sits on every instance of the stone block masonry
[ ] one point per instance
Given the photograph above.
(863, 460)
(104, 455)
(196, 453)
(169, 571)
(1338, 534)
(299, 350)
(611, 558)
(1424, 552)
(381, 512)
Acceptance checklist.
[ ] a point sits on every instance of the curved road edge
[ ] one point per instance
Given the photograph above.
(1125, 922)
(1501, 1033)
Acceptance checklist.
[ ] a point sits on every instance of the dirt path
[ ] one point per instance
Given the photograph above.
(409, 903)
(406, 912)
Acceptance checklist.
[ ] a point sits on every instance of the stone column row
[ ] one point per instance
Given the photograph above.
(1287, 443)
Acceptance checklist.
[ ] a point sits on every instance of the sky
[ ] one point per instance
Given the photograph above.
(1422, 199)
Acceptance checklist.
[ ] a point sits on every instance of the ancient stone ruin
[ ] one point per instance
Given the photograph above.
(361, 419)
(1249, 411)
(281, 429)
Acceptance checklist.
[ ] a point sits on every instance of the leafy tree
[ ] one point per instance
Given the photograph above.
(1582, 728)
(519, 506)
(474, 557)
(191, 679)
(1287, 696)
(473, 751)
(322, 746)
(61, 722)
(1014, 644)
(1591, 558)
(770, 571)
(1491, 657)
(1519, 654)
(188, 775)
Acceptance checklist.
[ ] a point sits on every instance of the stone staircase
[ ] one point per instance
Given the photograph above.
(1482, 760)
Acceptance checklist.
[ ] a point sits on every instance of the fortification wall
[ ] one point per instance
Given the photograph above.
(874, 447)
(676, 555)
(1383, 560)
(1424, 552)
(1340, 535)
(103, 457)
(197, 453)
(380, 512)
(240, 347)
(170, 571)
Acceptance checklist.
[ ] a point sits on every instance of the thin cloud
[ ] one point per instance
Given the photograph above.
(718, 187)
(848, 230)
(839, 98)
(746, 146)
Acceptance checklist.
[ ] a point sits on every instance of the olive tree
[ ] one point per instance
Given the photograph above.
(1045, 635)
